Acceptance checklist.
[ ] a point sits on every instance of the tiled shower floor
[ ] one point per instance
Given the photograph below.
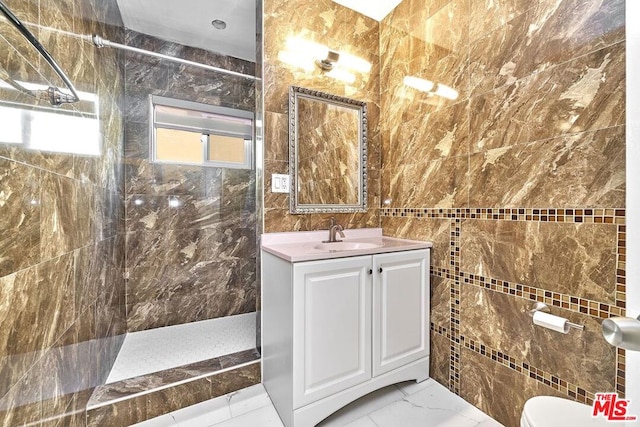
(159, 349)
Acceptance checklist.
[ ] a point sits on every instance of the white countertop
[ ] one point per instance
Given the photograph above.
(299, 246)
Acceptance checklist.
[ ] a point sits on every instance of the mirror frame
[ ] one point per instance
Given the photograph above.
(295, 93)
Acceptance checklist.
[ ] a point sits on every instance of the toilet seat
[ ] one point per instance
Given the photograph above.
(549, 411)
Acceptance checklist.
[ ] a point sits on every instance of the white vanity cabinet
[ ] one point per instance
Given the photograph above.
(401, 309)
(331, 327)
(336, 329)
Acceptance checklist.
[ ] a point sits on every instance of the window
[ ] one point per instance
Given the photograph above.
(186, 132)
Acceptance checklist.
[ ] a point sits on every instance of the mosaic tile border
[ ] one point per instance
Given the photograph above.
(621, 266)
(597, 309)
(571, 390)
(594, 216)
(568, 302)
(454, 248)
(440, 330)
(620, 372)
(441, 272)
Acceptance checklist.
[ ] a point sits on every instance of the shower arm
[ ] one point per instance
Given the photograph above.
(100, 42)
(52, 94)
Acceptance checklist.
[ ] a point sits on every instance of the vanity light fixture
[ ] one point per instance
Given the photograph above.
(329, 62)
(308, 55)
(431, 88)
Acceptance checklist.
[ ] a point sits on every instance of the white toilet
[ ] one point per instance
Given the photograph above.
(548, 411)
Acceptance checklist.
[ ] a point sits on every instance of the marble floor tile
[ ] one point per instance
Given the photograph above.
(263, 417)
(411, 387)
(203, 414)
(166, 420)
(427, 404)
(409, 414)
(363, 406)
(432, 406)
(362, 422)
(247, 400)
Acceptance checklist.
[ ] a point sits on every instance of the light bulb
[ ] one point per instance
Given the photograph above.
(419, 84)
(343, 75)
(306, 48)
(354, 63)
(446, 92)
(296, 60)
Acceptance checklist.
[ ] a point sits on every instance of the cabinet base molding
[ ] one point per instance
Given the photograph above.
(312, 414)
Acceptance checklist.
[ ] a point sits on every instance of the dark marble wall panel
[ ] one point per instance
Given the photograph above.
(425, 138)
(211, 274)
(547, 34)
(497, 390)
(278, 148)
(525, 172)
(342, 29)
(439, 358)
(61, 222)
(437, 231)
(442, 183)
(579, 170)
(21, 212)
(573, 259)
(191, 231)
(502, 322)
(569, 98)
(440, 301)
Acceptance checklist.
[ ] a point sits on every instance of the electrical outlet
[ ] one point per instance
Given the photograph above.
(279, 183)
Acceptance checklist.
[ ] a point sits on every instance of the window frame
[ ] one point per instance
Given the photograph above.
(155, 100)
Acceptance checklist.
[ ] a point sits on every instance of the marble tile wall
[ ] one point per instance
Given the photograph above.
(342, 29)
(61, 224)
(520, 183)
(193, 259)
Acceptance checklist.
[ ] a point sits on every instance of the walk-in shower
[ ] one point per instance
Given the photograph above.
(125, 275)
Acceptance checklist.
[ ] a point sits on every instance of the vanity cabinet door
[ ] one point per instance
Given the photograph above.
(400, 309)
(331, 327)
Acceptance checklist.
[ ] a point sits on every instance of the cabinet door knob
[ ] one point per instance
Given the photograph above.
(370, 271)
(380, 270)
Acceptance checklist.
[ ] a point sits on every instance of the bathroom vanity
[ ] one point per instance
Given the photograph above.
(340, 320)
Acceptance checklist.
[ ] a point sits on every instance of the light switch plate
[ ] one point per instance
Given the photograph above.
(279, 183)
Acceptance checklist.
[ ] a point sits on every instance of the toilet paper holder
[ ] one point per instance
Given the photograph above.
(540, 306)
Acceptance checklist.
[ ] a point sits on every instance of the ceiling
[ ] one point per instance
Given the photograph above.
(376, 9)
(188, 22)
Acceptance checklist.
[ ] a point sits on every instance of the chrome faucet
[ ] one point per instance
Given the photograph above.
(335, 228)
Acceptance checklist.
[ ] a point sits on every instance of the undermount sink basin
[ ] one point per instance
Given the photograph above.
(346, 246)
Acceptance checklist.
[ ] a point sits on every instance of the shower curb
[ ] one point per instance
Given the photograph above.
(137, 399)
